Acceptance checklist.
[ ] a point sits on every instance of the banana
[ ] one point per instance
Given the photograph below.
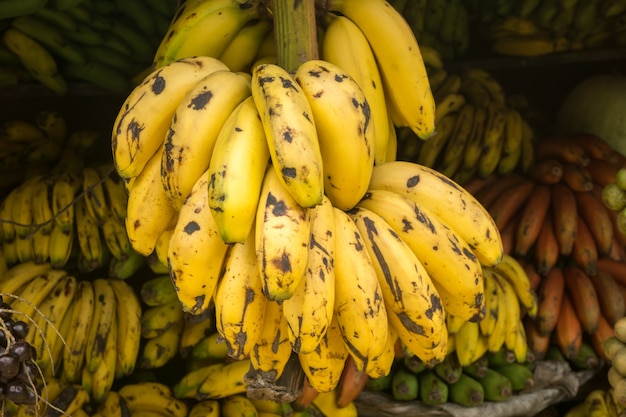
(529, 46)
(60, 246)
(115, 237)
(206, 408)
(63, 195)
(237, 405)
(454, 205)
(6, 209)
(92, 245)
(492, 292)
(152, 396)
(290, 132)
(194, 129)
(204, 29)
(282, 233)
(211, 347)
(159, 350)
(326, 403)
(514, 273)
(34, 292)
(309, 310)
(272, 349)
(116, 195)
(81, 322)
(196, 328)
(94, 195)
(158, 319)
(103, 317)
(495, 341)
(455, 146)
(324, 365)
(407, 288)
(48, 321)
(343, 122)
(195, 271)
(243, 48)
(236, 169)
(149, 211)
(141, 125)
(21, 213)
(402, 68)
(433, 147)
(17, 130)
(512, 311)
(493, 139)
(36, 59)
(239, 300)
(446, 258)
(359, 306)
(157, 291)
(223, 380)
(103, 376)
(71, 399)
(345, 45)
(128, 318)
(42, 206)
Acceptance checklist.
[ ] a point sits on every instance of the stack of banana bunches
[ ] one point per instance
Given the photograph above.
(261, 242)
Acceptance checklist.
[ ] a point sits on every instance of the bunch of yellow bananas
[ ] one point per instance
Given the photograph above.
(48, 216)
(275, 197)
(479, 132)
(86, 331)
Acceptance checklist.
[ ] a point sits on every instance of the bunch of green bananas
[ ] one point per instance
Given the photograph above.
(442, 25)
(478, 131)
(104, 43)
(273, 195)
(76, 213)
(533, 28)
(86, 331)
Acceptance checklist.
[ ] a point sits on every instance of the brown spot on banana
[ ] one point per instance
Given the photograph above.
(410, 325)
(191, 227)
(158, 84)
(200, 101)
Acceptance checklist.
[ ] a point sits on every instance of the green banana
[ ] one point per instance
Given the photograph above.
(433, 390)
(467, 391)
(520, 375)
(497, 387)
(404, 385)
(449, 369)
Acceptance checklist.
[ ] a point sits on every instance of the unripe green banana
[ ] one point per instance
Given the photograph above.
(467, 392)
(449, 369)
(497, 387)
(433, 390)
(519, 374)
(405, 385)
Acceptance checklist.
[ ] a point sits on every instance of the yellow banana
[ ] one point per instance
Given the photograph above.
(324, 365)
(142, 123)
(204, 28)
(34, 292)
(53, 124)
(466, 341)
(408, 291)
(400, 62)
(345, 45)
(196, 251)
(238, 163)
(116, 195)
(159, 350)
(309, 310)
(243, 48)
(272, 349)
(156, 320)
(239, 300)
(149, 209)
(359, 306)
(60, 246)
(195, 329)
(290, 131)
(206, 408)
(282, 232)
(63, 194)
(447, 259)
(237, 405)
(152, 396)
(343, 122)
(91, 243)
(94, 196)
(195, 126)
(224, 379)
(514, 273)
(103, 318)
(103, 376)
(115, 237)
(81, 321)
(453, 204)
(128, 318)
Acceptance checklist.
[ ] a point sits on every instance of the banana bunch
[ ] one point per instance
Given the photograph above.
(555, 209)
(106, 43)
(534, 28)
(85, 331)
(75, 214)
(509, 298)
(162, 323)
(442, 25)
(478, 131)
(142, 398)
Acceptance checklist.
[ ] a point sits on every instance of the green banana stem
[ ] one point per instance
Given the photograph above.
(295, 32)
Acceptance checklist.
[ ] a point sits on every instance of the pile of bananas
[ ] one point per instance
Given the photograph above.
(105, 43)
(478, 131)
(224, 175)
(598, 402)
(555, 208)
(442, 25)
(614, 197)
(75, 213)
(86, 331)
(534, 28)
